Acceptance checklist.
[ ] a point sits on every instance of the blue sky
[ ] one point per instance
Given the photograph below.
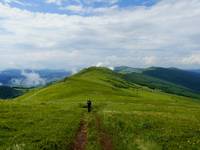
(57, 6)
(71, 34)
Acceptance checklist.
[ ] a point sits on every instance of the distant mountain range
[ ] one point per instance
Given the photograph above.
(30, 78)
(170, 80)
(126, 69)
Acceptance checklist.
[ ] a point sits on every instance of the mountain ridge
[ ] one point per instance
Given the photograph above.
(170, 80)
(50, 117)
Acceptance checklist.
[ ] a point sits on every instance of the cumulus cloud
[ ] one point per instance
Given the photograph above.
(31, 79)
(74, 71)
(162, 34)
(101, 64)
(193, 59)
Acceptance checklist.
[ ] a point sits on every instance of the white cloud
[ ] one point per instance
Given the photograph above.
(99, 64)
(193, 59)
(79, 9)
(162, 34)
(31, 79)
(57, 2)
(74, 70)
(150, 60)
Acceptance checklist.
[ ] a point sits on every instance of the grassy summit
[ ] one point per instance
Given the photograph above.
(132, 116)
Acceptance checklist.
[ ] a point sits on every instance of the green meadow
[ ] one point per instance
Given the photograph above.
(131, 117)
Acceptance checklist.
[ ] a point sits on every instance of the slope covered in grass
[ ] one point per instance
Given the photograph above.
(159, 84)
(170, 80)
(134, 117)
(184, 78)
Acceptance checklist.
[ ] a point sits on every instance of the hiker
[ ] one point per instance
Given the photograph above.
(89, 105)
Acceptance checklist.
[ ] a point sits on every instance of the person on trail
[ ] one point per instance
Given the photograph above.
(89, 105)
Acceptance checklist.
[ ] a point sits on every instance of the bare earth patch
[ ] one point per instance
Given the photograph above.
(81, 137)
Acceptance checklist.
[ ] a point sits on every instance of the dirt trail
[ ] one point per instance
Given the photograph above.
(81, 140)
(104, 138)
(81, 137)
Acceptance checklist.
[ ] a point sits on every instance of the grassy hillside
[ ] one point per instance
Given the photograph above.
(170, 80)
(9, 92)
(125, 116)
(184, 78)
(158, 84)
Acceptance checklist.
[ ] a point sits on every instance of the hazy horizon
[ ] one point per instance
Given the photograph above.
(80, 68)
